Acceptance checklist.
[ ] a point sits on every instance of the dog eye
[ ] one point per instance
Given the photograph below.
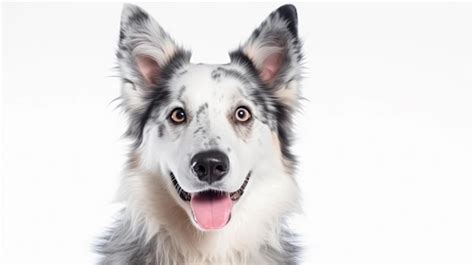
(242, 114)
(178, 116)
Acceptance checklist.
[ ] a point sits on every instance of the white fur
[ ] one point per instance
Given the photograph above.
(270, 194)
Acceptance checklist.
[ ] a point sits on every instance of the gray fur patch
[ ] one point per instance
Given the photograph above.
(290, 253)
(182, 72)
(181, 91)
(120, 247)
(161, 129)
(213, 142)
(199, 129)
(215, 75)
(221, 71)
(123, 245)
(201, 108)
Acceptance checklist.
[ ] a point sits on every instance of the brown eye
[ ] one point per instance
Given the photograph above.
(242, 114)
(178, 116)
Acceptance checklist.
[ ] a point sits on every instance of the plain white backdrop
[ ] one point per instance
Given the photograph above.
(384, 140)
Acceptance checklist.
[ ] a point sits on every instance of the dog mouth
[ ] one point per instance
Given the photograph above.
(211, 209)
(186, 196)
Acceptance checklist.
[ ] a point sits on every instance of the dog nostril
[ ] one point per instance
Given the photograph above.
(219, 169)
(200, 170)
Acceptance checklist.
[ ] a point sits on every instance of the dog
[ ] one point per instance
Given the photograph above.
(210, 177)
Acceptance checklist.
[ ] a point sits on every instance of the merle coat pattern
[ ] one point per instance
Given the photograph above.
(176, 109)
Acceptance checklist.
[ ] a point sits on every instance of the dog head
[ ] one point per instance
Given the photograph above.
(213, 133)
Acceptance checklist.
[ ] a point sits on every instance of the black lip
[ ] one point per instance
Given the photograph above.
(186, 196)
(238, 193)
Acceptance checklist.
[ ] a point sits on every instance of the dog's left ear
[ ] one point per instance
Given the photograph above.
(274, 49)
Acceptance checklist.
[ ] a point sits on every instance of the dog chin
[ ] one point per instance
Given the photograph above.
(210, 209)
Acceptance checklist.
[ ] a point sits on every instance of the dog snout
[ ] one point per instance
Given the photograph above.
(210, 166)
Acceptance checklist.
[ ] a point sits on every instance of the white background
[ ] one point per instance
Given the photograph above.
(384, 139)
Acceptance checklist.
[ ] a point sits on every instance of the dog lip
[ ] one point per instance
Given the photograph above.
(186, 196)
(238, 193)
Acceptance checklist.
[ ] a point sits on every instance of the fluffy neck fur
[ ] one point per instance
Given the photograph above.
(154, 229)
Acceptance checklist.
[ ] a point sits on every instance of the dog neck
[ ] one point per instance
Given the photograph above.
(155, 223)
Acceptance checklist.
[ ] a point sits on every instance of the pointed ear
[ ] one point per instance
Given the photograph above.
(145, 51)
(275, 52)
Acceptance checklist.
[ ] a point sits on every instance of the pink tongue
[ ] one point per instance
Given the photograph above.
(211, 212)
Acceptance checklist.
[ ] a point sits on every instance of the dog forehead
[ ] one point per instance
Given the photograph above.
(204, 82)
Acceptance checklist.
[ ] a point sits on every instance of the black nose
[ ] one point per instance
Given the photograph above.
(210, 166)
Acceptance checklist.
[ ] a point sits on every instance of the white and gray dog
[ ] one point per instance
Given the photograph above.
(210, 178)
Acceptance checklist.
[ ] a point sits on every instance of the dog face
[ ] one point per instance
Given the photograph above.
(210, 131)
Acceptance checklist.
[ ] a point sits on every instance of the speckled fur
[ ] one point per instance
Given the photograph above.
(156, 225)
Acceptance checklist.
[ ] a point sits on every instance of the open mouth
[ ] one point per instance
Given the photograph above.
(211, 208)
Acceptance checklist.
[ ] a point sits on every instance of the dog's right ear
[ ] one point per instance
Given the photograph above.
(145, 51)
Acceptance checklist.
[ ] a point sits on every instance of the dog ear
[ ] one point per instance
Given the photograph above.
(274, 50)
(145, 50)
